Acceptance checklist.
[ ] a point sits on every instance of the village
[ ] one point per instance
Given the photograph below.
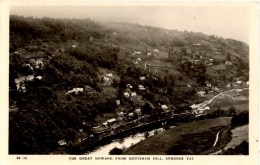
(128, 117)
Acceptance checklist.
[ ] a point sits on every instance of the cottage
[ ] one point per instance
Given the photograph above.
(210, 64)
(126, 94)
(137, 53)
(156, 50)
(109, 74)
(210, 60)
(135, 62)
(239, 82)
(138, 112)
(117, 102)
(189, 86)
(133, 94)
(142, 78)
(62, 142)
(131, 114)
(74, 46)
(141, 87)
(121, 114)
(129, 86)
(228, 63)
(75, 90)
(228, 85)
(149, 54)
(39, 77)
(164, 107)
(138, 59)
(201, 93)
(105, 79)
(209, 85)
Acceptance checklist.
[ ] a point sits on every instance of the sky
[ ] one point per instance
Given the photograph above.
(223, 21)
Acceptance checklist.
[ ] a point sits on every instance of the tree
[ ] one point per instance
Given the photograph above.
(146, 108)
(115, 151)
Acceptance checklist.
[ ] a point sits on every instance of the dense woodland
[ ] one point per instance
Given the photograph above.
(47, 114)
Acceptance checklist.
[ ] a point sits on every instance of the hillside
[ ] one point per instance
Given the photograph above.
(68, 76)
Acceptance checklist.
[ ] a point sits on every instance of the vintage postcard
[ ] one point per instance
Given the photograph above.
(129, 82)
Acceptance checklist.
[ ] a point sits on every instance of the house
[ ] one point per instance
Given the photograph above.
(74, 46)
(201, 93)
(137, 53)
(189, 86)
(138, 59)
(126, 94)
(117, 102)
(39, 63)
(156, 50)
(149, 54)
(138, 112)
(142, 78)
(21, 80)
(39, 77)
(210, 60)
(114, 33)
(109, 122)
(105, 79)
(75, 90)
(210, 64)
(62, 142)
(239, 82)
(129, 86)
(131, 114)
(209, 85)
(120, 114)
(141, 87)
(228, 63)
(133, 94)
(164, 107)
(135, 62)
(201, 56)
(109, 74)
(228, 85)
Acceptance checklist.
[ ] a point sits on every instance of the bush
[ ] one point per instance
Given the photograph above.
(115, 151)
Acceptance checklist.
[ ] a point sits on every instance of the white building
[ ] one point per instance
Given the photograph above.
(142, 78)
(126, 94)
(201, 93)
(75, 90)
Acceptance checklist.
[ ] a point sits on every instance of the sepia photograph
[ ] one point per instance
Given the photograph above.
(122, 80)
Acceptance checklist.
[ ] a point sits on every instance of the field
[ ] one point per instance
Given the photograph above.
(190, 138)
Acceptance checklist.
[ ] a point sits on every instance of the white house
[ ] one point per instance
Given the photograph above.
(75, 90)
(141, 87)
(137, 53)
(164, 107)
(149, 54)
(129, 86)
(62, 142)
(126, 94)
(39, 77)
(201, 93)
(211, 60)
(74, 46)
(133, 94)
(117, 102)
(189, 86)
(109, 74)
(138, 59)
(156, 50)
(138, 112)
(142, 78)
(239, 82)
(105, 79)
(228, 63)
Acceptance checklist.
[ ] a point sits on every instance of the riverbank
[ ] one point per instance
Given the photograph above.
(190, 138)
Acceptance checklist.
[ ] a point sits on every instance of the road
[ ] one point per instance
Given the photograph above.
(207, 102)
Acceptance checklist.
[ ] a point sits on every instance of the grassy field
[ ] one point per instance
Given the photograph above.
(190, 138)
